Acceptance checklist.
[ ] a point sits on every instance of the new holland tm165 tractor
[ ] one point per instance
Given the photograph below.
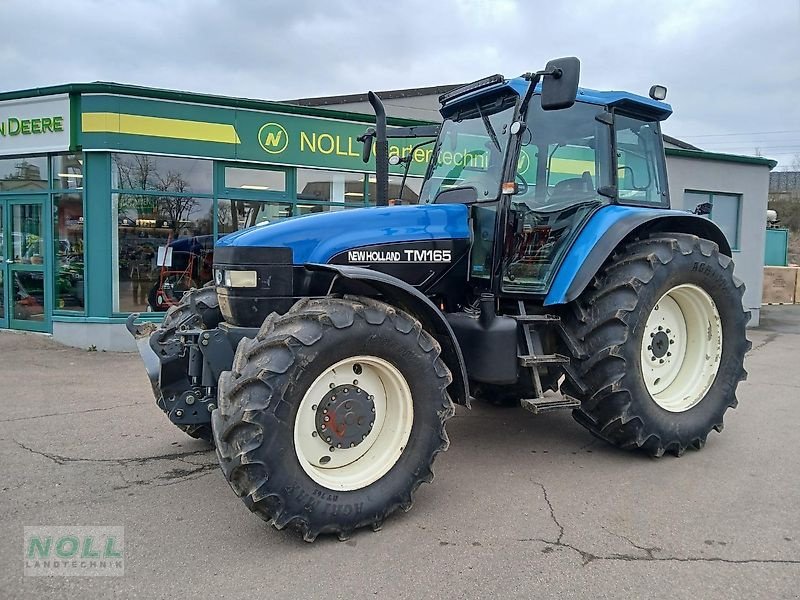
(542, 266)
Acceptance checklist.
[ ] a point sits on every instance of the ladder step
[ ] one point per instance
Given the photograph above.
(536, 318)
(531, 360)
(542, 405)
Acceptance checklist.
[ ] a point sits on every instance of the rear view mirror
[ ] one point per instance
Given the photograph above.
(560, 84)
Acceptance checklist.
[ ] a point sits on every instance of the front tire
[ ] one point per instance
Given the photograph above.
(663, 330)
(332, 416)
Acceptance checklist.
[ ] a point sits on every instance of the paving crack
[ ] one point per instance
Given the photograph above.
(76, 412)
(649, 551)
(771, 337)
(136, 460)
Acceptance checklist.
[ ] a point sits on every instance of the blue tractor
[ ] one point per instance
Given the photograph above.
(542, 266)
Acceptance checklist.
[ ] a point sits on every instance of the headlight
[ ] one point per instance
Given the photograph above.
(241, 279)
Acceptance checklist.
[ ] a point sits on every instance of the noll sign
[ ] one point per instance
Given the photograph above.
(37, 125)
(74, 550)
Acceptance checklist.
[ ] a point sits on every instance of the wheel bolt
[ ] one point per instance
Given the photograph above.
(326, 418)
(668, 331)
(660, 328)
(344, 390)
(313, 434)
(331, 449)
(363, 437)
(355, 382)
(672, 341)
(352, 444)
(652, 358)
(333, 385)
(324, 411)
(661, 361)
(314, 407)
(371, 397)
(338, 445)
(652, 335)
(328, 440)
(669, 353)
(323, 426)
(649, 347)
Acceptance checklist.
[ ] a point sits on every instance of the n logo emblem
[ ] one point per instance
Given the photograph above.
(273, 138)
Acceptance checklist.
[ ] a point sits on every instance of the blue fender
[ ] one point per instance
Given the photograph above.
(605, 230)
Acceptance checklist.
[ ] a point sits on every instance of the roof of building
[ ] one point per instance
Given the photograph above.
(106, 87)
(435, 90)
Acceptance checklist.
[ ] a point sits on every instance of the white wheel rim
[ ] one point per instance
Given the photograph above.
(681, 348)
(354, 468)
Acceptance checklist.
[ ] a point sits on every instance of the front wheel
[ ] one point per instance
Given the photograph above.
(664, 337)
(332, 416)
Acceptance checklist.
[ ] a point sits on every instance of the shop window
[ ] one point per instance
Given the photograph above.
(67, 171)
(69, 255)
(27, 174)
(255, 179)
(161, 174)
(233, 215)
(163, 246)
(723, 209)
(330, 186)
(399, 193)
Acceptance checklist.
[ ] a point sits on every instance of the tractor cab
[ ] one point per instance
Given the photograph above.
(534, 172)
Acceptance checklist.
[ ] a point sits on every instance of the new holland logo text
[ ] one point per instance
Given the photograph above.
(399, 256)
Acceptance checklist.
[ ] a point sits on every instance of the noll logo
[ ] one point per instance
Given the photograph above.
(273, 138)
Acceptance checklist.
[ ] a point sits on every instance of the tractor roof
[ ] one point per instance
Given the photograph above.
(612, 99)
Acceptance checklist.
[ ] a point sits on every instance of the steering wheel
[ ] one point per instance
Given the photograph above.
(522, 185)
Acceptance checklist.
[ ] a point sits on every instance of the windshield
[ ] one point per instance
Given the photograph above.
(471, 149)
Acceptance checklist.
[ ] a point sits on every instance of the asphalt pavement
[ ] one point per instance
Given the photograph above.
(522, 506)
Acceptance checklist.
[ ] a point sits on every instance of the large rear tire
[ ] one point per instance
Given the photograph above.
(198, 308)
(332, 416)
(663, 330)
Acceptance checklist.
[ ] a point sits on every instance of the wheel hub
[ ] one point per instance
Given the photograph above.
(345, 416)
(659, 344)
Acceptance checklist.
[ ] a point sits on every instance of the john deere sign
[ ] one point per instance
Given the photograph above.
(37, 125)
(116, 122)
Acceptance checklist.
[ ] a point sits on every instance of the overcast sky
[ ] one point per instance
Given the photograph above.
(732, 67)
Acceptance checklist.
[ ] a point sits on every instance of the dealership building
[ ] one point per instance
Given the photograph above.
(111, 196)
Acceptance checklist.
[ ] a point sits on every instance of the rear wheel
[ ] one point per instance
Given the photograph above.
(664, 334)
(332, 416)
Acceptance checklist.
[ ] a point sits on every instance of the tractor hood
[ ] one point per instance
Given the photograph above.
(319, 237)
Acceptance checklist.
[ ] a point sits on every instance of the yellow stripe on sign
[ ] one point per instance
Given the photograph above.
(571, 166)
(103, 122)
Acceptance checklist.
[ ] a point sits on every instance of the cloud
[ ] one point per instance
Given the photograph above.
(731, 66)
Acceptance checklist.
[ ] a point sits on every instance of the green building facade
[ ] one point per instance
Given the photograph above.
(111, 196)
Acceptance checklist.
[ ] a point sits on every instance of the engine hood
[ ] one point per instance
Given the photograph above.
(317, 238)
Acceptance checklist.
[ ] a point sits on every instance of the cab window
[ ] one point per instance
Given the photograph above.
(640, 178)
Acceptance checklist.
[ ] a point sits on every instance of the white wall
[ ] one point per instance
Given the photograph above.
(749, 181)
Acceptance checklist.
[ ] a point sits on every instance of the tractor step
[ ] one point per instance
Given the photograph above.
(542, 405)
(531, 360)
(536, 318)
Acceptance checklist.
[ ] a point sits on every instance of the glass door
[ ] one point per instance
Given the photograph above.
(3, 268)
(25, 301)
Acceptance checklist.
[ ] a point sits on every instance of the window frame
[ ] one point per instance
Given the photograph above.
(735, 244)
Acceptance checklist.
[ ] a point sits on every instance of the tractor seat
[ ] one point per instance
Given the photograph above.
(576, 187)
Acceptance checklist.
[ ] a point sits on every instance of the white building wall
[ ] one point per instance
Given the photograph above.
(749, 181)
